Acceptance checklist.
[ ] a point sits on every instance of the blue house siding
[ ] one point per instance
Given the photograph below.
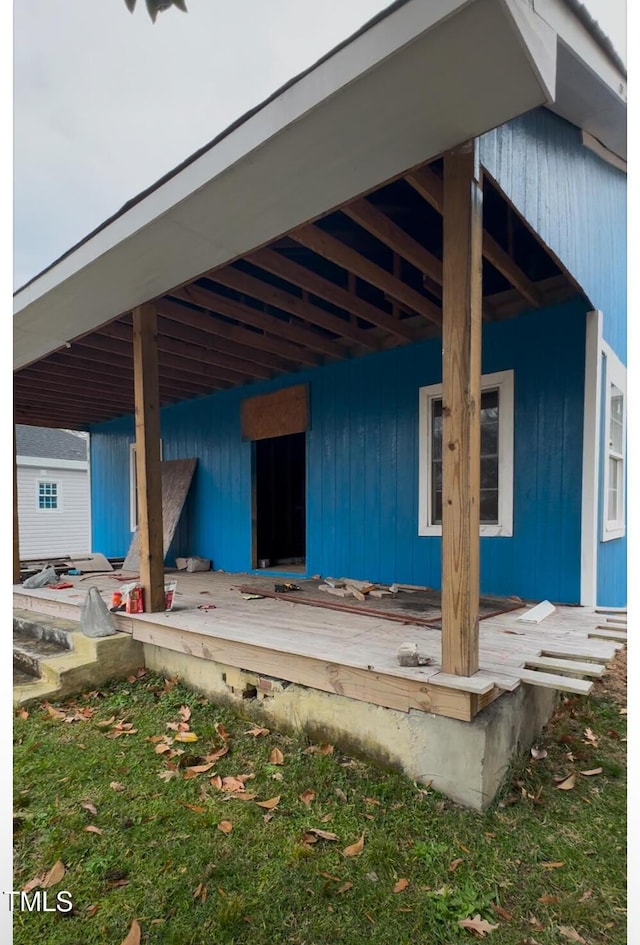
(574, 200)
(362, 465)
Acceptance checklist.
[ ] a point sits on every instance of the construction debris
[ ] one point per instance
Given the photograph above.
(538, 613)
(410, 655)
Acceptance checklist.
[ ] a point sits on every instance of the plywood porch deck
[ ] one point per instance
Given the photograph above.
(350, 654)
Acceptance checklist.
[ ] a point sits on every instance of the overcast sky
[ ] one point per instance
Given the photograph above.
(105, 102)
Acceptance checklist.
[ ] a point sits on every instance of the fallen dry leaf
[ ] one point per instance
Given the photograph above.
(309, 838)
(307, 796)
(276, 757)
(194, 770)
(588, 774)
(133, 935)
(55, 874)
(318, 750)
(355, 849)
(233, 785)
(162, 747)
(243, 796)
(586, 895)
(341, 795)
(538, 753)
(501, 912)
(23, 714)
(90, 807)
(256, 731)
(454, 864)
(183, 727)
(270, 804)
(91, 910)
(116, 786)
(222, 732)
(32, 883)
(225, 826)
(570, 933)
(92, 829)
(168, 774)
(590, 738)
(217, 755)
(194, 807)
(548, 900)
(216, 782)
(344, 888)
(400, 885)
(477, 924)
(323, 834)
(326, 818)
(567, 784)
(186, 737)
(54, 713)
(552, 865)
(184, 712)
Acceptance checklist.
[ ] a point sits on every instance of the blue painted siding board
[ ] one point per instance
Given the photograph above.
(612, 555)
(574, 200)
(362, 465)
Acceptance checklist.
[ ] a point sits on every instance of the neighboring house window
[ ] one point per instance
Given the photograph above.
(133, 486)
(48, 496)
(615, 450)
(496, 457)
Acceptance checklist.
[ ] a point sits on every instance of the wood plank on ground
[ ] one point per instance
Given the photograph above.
(606, 633)
(580, 668)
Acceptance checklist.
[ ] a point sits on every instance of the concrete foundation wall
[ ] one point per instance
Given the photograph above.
(467, 761)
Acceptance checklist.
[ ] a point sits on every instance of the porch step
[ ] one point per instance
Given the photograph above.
(54, 659)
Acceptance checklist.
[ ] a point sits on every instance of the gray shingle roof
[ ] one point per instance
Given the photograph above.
(49, 444)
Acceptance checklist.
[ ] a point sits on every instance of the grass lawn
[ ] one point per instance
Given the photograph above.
(159, 852)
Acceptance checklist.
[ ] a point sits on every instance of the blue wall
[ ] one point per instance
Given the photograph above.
(362, 465)
(577, 204)
(575, 201)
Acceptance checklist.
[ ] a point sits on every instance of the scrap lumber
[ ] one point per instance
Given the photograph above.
(562, 683)
(538, 613)
(574, 667)
(606, 633)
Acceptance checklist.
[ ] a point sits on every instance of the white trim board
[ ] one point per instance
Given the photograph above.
(590, 460)
(615, 374)
(48, 463)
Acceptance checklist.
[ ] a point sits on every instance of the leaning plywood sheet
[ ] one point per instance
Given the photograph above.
(93, 562)
(176, 479)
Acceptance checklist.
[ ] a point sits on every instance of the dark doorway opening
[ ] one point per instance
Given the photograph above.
(279, 489)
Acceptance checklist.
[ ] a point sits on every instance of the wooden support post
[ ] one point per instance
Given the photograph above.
(149, 483)
(16, 526)
(461, 371)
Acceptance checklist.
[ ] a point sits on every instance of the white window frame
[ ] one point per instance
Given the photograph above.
(133, 509)
(615, 377)
(48, 480)
(503, 382)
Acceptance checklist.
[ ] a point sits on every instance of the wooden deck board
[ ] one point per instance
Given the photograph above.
(340, 651)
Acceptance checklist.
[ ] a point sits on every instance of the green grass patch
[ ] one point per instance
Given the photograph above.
(157, 853)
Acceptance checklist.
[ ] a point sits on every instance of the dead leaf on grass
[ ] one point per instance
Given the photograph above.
(90, 807)
(53, 712)
(225, 826)
(454, 864)
(184, 712)
(32, 883)
(222, 732)
(323, 834)
(538, 753)
(501, 912)
(401, 885)
(588, 774)
(91, 910)
(216, 782)
(217, 755)
(194, 770)
(570, 933)
(590, 738)
(271, 804)
(318, 750)
(162, 747)
(326, 818)
(23, 714)
(548, 900)
(276, 757)
(307, 796)
(55, 874)
(243, 796)
(257, 730)
(344, 888)
(116, 786)
(586, 895)
(552, 865)
(186, 737)
(477, 924)
(92, 829)
(341, 795)
(198, 809)
(567, 784)
(133, 935)
(355, 849)
(168, 774)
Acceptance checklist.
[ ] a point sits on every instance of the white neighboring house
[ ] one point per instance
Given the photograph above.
(54, 494)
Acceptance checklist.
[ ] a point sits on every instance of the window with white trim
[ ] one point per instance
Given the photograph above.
(496, 457)
(613, 517)
(133, 486)
(47, 496)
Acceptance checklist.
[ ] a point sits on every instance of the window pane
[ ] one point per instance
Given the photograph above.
(488, 437)
(488, 506)
(436, 429)
(614, 497)
(489, 472)
(616, 422)
(47, 495)
(437, 508)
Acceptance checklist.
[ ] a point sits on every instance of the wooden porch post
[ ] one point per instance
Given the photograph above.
(147, 407)
(16, 526)
(461, 371)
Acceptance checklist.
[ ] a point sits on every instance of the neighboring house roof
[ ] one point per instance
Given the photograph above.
(50, 444)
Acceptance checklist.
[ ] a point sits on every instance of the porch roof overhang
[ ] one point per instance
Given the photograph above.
(416, 81)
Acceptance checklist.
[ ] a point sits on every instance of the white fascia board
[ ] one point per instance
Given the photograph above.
(591, 460)
(417, 83)
(44, 462)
